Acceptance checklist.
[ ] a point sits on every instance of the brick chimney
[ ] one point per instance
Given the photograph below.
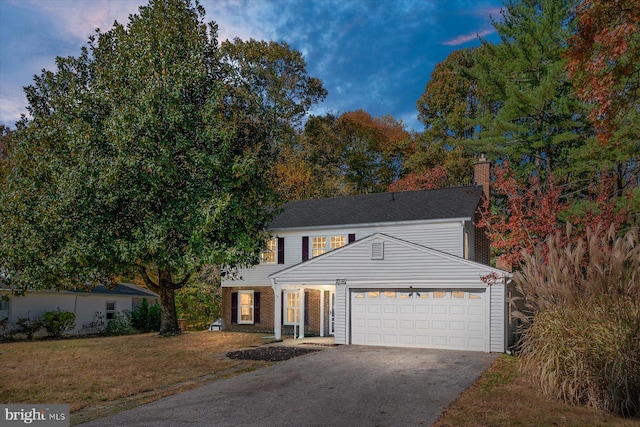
(482, 175)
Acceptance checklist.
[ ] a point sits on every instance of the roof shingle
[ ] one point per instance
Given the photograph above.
(456, 202)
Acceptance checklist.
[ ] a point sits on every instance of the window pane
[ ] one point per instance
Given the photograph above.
(246, 299)
(374, 294)
(457, 294)
(404, 295)
(318, 245)
(389, 294)
(423, 294)
(359, 295)
(439, 294)
(338, 241)
(246, 313)
(269, 254)
(245, 306)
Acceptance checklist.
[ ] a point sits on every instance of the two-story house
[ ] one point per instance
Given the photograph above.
(394, 269)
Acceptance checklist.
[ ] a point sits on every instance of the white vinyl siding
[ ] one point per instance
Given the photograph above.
(405, 267)
(497, 317)
(445, 236)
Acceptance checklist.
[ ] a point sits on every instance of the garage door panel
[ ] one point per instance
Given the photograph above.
(390, 323)
(432, 319)
(407, 309)
(440, 309)
(423, 309)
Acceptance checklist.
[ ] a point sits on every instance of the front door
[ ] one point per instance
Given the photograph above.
(332, 314)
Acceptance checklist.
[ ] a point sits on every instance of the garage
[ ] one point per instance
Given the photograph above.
(430, 318)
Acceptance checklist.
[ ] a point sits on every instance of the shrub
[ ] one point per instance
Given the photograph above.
(6, 332)
(199, 303)
(120, 324)
(581, 311)
(27, 326)
(58, 323)
(146, 318)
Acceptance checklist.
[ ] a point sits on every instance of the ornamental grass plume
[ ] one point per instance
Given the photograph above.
(580, 308)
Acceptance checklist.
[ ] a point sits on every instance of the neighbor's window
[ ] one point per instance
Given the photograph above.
(110, 309)
(292, 307)
(269, 254)
(318, 246)
(245, 306)
(4, 310)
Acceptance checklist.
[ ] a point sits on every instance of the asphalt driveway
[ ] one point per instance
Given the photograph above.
(340, 386)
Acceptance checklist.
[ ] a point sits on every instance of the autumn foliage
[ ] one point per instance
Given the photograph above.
(605, 60)
(526, 213)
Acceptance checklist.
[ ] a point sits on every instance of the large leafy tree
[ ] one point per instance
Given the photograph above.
(152, 152)
(604, 61)
(539, 121)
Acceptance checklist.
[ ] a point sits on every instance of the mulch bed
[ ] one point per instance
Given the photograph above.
(270, 354)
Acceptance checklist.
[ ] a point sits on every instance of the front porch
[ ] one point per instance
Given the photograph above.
(289, 308)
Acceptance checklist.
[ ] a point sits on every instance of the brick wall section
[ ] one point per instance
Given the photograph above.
(266, 312)
(482, 177)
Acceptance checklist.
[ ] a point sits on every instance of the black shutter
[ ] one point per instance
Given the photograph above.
(280, 250)
(305, 248)
(352, 238)
(234, 307)
(256, 307)
(306, 309)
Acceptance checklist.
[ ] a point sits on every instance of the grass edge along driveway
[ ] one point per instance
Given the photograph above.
(100, 376)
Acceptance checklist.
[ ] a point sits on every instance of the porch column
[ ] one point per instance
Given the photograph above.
(277, 310)
(301, 313)
(322, 312)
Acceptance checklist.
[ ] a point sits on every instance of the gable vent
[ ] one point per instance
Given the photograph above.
(377, 250)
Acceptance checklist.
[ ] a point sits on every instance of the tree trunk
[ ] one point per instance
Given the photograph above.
(169, 317)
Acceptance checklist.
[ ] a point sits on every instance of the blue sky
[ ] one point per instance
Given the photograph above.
(375, 55)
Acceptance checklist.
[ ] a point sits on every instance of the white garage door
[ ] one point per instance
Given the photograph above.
(448, 319)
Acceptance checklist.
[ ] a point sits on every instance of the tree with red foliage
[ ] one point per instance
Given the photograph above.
(604, 61)
(526, 213)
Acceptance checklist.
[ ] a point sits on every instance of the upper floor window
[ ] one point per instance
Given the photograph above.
(338, 242)
(322, 244)
(318, 246)
(269, 253)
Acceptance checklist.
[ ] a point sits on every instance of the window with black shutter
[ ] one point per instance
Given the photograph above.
(256, 307)
(306, 309)
(280, 250)
(305, 248)
(234, 307)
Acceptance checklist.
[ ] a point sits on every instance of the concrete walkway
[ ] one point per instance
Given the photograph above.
(340, 386)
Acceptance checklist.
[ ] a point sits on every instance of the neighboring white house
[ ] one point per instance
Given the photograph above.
(91, 306)
(394, 269)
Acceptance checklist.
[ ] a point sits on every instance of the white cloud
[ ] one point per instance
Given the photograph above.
(464, 38)
(79, 18)
(12, 105)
